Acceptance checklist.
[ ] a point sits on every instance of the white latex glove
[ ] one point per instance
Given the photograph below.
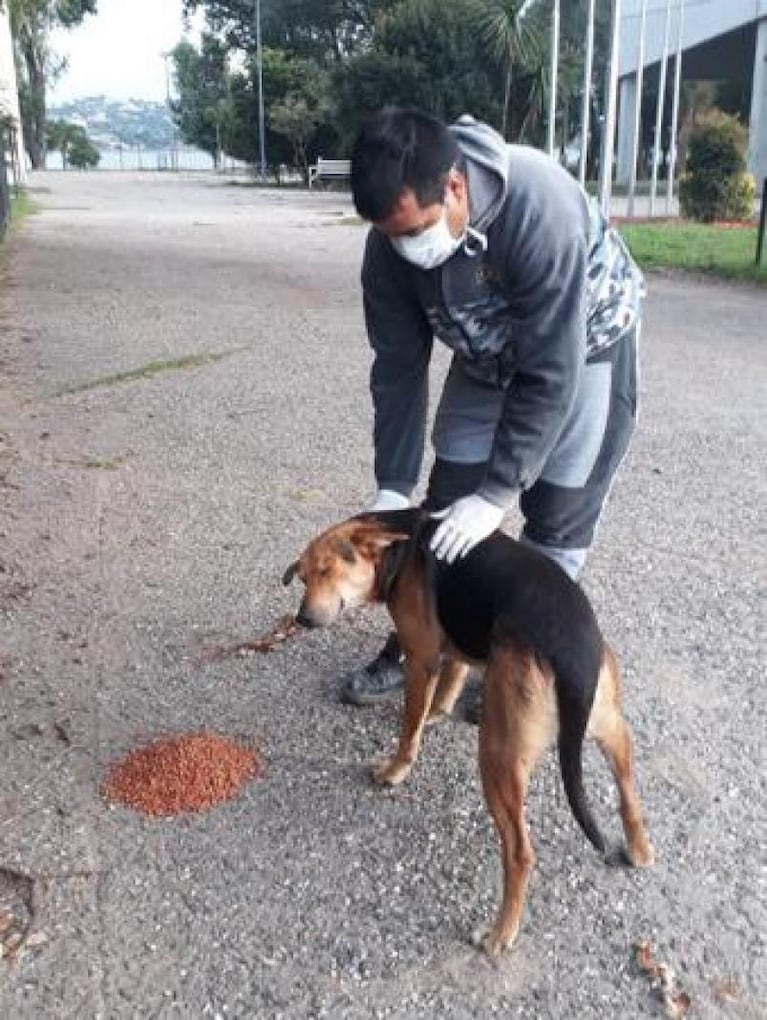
(466, 523)
(388, 499)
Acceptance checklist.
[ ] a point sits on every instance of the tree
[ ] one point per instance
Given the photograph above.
(72, 141)
(425, 53)
(217, 110)
(372, 80)
(511, 40)
(476, 56)
(203, 111)
(297, 118)
(83, 154)
(31, 24)
(297, 104)
(327, 31)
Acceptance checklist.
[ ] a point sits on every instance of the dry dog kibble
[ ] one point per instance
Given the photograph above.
(184, 773)
(676, 1002)
(285, 628)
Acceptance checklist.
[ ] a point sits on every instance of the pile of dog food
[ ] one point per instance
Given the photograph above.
(177, 774)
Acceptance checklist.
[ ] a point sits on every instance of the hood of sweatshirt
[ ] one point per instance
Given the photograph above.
(487, 156)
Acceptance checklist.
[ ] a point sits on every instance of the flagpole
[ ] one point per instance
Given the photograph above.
(608, 142)
(586, 107)
(675, 111)
(260, 75)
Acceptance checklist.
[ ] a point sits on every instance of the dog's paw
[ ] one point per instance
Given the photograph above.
(618, 857)
(641, 855)
(493, 943)
(390, 771)
(437, 717)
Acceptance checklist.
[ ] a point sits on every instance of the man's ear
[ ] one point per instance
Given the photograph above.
(458, 184)
(290, 573)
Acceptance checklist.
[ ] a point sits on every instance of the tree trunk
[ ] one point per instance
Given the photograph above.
(34, 114)
(299, 151)
(565, 134)
(506, 100)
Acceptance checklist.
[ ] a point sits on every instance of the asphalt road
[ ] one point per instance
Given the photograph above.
(149, 516)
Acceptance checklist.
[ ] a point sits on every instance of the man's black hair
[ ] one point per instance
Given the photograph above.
(401, 148)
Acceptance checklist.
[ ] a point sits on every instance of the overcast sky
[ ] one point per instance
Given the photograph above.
(118, 51)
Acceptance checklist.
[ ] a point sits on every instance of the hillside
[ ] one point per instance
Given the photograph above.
(112, 122)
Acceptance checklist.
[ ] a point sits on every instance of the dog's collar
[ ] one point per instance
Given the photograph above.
(389, 569)
(395, 555)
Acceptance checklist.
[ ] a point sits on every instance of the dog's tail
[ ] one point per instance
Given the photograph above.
(574, 700)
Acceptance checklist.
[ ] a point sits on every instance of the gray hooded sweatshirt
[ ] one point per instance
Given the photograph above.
(540, 284)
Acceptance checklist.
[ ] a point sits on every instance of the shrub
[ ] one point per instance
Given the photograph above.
(716, 185)
(83, 155)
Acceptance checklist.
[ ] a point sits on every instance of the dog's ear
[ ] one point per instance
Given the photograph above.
(390, 538)
(290, 573)
(373, 539)
(346, 550)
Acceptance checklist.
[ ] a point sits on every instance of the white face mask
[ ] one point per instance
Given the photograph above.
(432, 247)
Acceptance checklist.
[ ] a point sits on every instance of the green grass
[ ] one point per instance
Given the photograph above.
(147, 371)
(348, 221)
(728, 252)
(92, 463)
(22, 205)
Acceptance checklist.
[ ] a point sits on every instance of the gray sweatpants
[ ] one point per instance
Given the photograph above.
(563, 507)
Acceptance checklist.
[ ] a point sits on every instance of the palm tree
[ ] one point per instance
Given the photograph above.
(511, 41)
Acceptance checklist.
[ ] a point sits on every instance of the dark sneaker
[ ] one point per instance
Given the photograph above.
(471, 701)
(380, 680)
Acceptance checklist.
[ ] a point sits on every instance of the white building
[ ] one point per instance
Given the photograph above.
(721, 40)
(9, 95)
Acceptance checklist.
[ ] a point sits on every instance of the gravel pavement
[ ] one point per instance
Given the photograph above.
(183, 404)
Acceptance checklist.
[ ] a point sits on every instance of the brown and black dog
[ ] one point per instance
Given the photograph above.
(548, 673)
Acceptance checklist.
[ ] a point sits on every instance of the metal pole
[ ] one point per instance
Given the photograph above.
(586, 107)
(173, 153)
(553, 76)
(675, 111)
(637, 110)
(260, 68)
(659, 112)
(762, 224)
(608, 146)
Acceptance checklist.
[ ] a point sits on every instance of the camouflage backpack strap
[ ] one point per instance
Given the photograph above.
(615, 285)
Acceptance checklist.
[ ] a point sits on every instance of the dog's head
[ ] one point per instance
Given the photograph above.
(340, 569)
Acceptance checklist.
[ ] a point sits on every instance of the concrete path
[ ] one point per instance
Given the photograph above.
(183, 404)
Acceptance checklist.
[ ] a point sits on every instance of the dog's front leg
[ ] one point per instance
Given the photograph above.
(421, 675)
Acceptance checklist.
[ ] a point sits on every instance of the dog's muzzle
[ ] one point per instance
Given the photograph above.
(320, 616)
(306, 619)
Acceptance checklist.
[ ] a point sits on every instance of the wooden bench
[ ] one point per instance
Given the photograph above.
(329, 169)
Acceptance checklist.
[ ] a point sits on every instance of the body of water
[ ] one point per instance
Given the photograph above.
(133, 157)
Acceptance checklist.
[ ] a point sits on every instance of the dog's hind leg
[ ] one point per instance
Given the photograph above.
(519, 720)
(452, 679)
(611, 732)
